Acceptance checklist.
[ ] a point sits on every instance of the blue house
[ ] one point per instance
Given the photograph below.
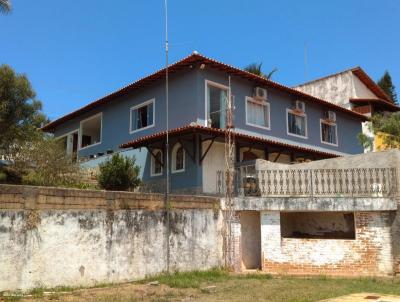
(271, 121)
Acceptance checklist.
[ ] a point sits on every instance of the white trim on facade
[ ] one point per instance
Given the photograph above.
(322, 121)
(173, 159)
(153, 100)
(80, 131)
(288, 110)
(152, 163)
(250, 99)
(215, 84)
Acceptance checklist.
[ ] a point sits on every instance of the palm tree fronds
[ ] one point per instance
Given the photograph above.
(256, 68)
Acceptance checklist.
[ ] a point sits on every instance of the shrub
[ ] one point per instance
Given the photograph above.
(42, 161)
(119, 173)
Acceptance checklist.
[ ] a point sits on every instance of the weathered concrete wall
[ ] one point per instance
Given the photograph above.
(382, 159)
(51, 237)
(370, 253)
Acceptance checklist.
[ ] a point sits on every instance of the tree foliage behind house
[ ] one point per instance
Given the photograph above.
(20, 112)
(119, 173)
(385, 82)
(388, 126)
(5, 6)
(256, 68)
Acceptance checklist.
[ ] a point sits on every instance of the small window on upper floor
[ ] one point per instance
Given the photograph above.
(142, 116)
(329, 129)
(296, 123)
(257, 113)
(90, 131)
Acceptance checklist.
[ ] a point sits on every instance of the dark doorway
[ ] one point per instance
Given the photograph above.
(250, 239)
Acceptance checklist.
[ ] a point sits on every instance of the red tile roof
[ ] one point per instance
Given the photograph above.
(186, 62)
(148, 139)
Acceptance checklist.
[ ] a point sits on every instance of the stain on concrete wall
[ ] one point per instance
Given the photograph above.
(82, 247)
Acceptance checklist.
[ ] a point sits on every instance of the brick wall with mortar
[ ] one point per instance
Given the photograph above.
(370, 254)
(51, 236)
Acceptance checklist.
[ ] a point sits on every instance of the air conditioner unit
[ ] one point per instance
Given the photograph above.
(330, 115)
(299, 106)
(260, 93)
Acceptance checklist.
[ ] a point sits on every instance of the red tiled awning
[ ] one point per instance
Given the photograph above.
(191, 129)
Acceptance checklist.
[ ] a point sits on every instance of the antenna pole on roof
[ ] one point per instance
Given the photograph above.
(305, 63)
(167, 207)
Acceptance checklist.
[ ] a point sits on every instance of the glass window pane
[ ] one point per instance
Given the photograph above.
(297, 124)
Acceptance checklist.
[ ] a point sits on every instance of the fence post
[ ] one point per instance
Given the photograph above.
(312, 183)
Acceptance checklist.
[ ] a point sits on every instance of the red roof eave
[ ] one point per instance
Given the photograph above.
(145, 140)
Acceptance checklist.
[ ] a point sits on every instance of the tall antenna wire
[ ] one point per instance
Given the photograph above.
(305, 62)
(167, 189)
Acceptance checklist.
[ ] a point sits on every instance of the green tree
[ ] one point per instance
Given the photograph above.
(20, 112)
(256, 68)
(119, 173)
(5, 6)
(385, 82)
(389, 125)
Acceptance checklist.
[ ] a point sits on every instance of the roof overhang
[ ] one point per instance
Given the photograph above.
(190, 62)
(378, 102)
(371, 85)
(158, 138)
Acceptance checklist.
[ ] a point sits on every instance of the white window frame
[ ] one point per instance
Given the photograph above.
(80, 131)
(250, 99)
(214, 84)
(173, 161)
(287, 123)
(153, 160)
(139, 106)
(66, 135)
(323, 121)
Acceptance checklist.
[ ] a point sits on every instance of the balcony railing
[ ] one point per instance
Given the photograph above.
(362, 182)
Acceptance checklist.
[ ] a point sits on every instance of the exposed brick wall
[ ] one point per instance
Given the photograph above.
(369, 254)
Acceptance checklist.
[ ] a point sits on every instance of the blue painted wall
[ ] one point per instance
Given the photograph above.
(187, 104)
(347, 126)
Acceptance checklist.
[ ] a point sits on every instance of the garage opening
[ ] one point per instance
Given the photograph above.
(250, 239)
(322, 225)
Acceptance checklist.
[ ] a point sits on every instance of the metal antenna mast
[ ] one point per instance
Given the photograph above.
(229, 181)
(167, 189)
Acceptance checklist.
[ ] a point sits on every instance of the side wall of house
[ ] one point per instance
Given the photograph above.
(53, 237)
(370, 253)
(348, 127)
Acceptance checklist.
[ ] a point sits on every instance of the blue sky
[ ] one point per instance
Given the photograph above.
(74, 54)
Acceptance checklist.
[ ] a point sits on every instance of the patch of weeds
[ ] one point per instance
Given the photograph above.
(37, 292)
(11, 298)
(54, 297)
(258, 276)
(190, 279)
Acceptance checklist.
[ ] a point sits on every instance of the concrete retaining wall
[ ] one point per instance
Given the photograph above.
(51, 237)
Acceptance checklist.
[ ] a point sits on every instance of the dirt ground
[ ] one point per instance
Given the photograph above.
(216, 286)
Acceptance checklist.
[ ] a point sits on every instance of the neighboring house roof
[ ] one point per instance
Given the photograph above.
(184, 63)
(386, 104)
(363, 77)
(149, 139)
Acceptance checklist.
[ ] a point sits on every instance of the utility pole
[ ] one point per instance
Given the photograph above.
(167, 189)
(230, 217)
